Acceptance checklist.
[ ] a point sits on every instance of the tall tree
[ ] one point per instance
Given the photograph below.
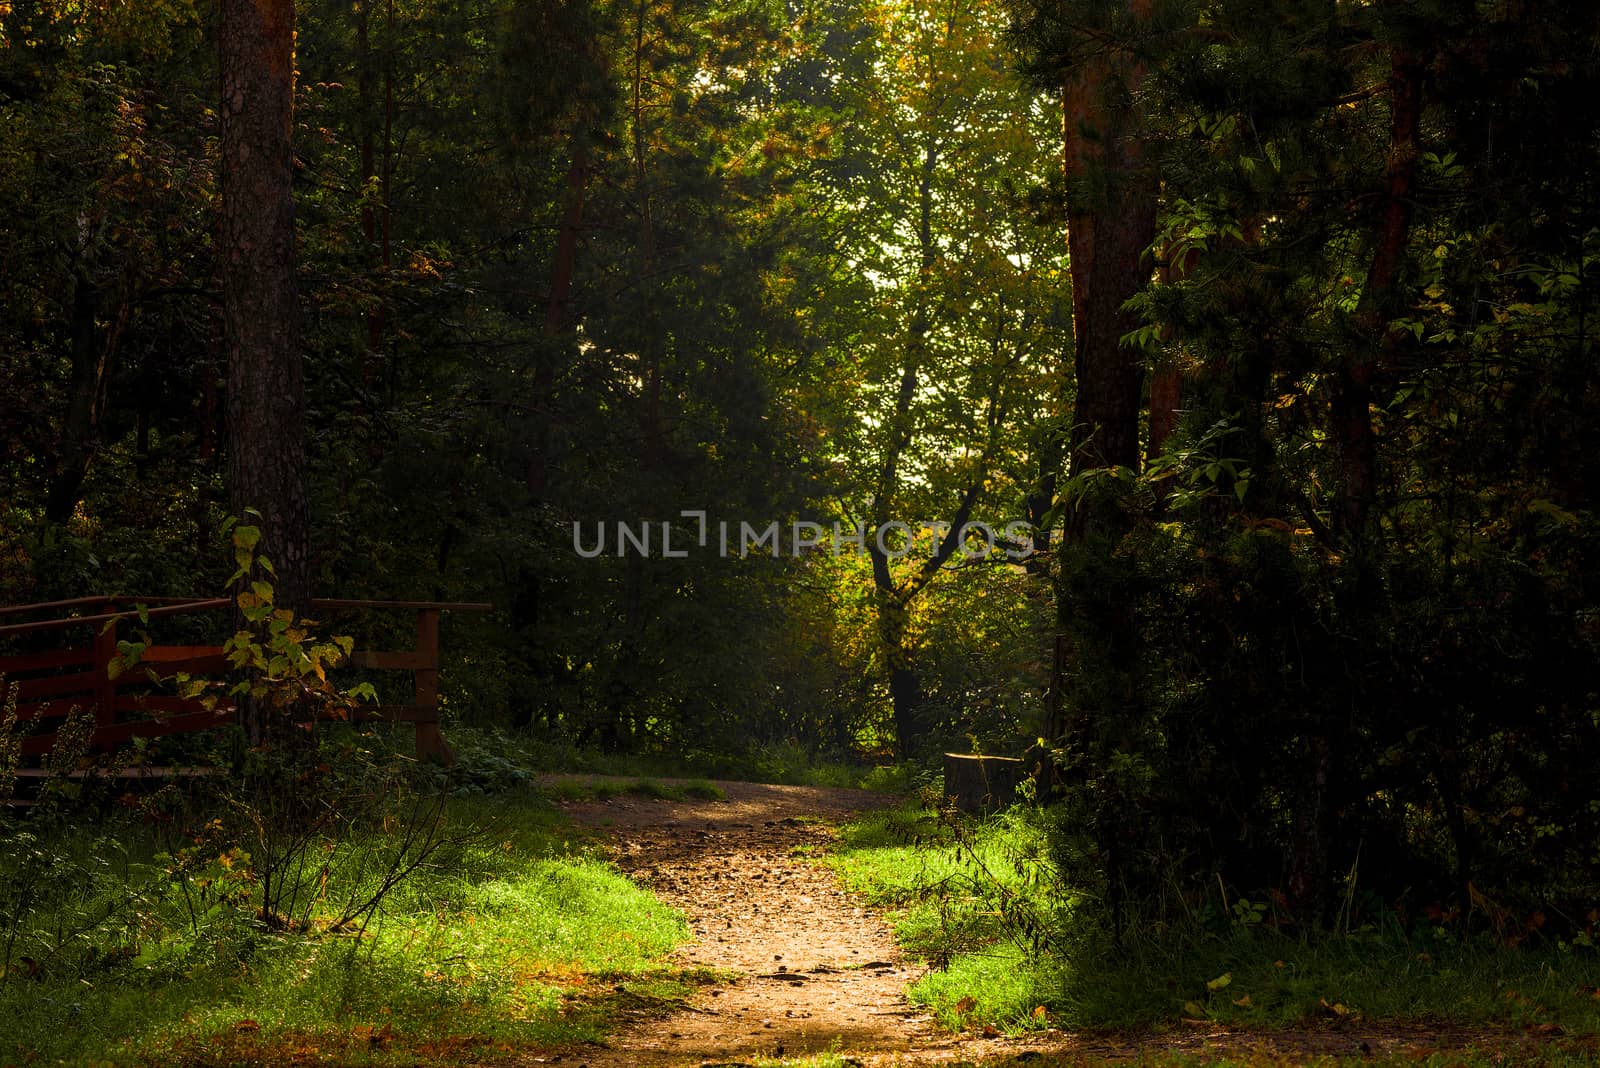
(942, 140)
(266, 380)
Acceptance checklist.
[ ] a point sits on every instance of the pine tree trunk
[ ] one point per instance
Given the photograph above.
(266, 386)
(1111, 219)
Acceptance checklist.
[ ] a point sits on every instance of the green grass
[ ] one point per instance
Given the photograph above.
(515, 939)
(1239, 974)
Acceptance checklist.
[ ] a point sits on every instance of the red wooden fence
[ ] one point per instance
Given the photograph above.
(50, 682)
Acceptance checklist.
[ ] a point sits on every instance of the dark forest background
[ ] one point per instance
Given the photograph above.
(1272, 319)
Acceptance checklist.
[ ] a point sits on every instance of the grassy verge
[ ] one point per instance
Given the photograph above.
(986, 971)
(516, 938)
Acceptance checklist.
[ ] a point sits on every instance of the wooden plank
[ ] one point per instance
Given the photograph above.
(46, 660)
(117, 733)
(457, 606)
(142, 771)
(49, 709)
(164, 653)
(405, 661)
(427, 648)
(430, 743)
(105, 687)
(396, 714)
(318, 602)
(37, 745)
(42, 606)
(47, 685)
(215, 664)
(160, 610)
(163, 704)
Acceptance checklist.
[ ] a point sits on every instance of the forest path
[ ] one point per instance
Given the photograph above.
(815, 969)
(811, 969)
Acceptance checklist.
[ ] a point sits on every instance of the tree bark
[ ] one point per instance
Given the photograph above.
(266, 384)
(1111, 220)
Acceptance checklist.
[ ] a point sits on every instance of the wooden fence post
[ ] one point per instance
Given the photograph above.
(105, 687)
(430, 741)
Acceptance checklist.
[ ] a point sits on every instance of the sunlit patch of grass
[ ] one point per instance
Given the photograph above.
(996, 986)
(515, 939)
(826, 1059)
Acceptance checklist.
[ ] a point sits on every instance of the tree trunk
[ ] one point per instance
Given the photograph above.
(81, 430)
(893, 606)
(1111, 220)
(1374, 350)
(266, 386)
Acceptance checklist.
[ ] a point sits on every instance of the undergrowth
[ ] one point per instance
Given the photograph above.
(1007, 945)
(513, 937)
(514, 756)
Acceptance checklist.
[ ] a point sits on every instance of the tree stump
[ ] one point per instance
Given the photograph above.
(981, 784)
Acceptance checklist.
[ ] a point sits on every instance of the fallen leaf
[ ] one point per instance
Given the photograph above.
(966, 1005)
(1220, 981)
(1243, 1003)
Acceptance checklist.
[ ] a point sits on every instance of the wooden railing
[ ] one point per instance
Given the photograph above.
(51, 681)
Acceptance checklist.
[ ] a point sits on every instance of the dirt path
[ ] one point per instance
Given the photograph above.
(811, 969)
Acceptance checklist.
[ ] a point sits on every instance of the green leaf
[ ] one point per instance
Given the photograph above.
(246, 537)
(1220, 981)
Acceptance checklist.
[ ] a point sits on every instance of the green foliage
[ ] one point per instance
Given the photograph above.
(485, 945)
(966, 898)
(68, 902)
(1321, 645)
